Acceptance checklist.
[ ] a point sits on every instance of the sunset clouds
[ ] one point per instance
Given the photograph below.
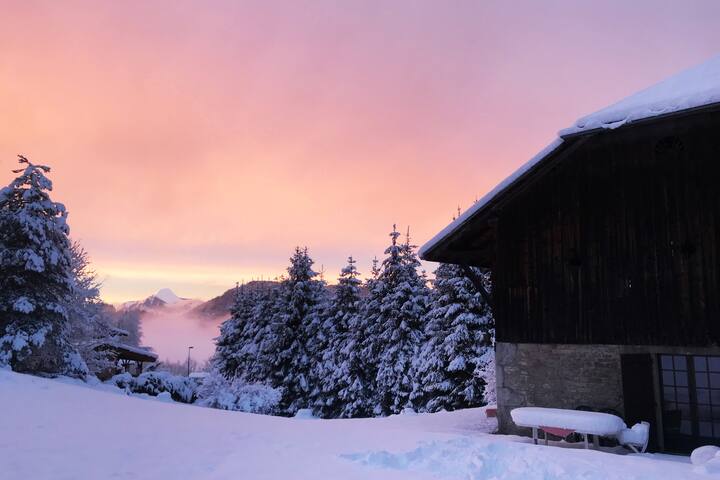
(195, 143)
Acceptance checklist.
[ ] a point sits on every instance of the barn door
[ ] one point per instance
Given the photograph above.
(639, 391)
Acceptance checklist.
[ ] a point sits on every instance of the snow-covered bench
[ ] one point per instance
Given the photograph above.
(561, 422)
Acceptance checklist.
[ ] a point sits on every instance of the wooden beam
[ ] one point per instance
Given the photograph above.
(478, 283)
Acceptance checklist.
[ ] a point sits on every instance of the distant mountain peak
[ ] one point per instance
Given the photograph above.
(162, 298)
(167, 296)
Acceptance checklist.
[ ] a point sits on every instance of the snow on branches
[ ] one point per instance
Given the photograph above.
(361, 348)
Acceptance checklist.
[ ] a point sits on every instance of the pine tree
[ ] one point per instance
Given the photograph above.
(357, 395)
(36, 281)
(262, 343)
(88, 316)
(337, 369)
(459, 329)
(226, 359)
(129, 320)
(395, 313)
(295, 322)
(246, 349)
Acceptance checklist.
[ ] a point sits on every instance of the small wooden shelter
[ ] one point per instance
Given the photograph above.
(130, 358)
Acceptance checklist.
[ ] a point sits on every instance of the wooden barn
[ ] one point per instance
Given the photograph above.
(605, 258)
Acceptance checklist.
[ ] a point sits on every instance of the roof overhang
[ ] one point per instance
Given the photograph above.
(470, 239)
(123, 351)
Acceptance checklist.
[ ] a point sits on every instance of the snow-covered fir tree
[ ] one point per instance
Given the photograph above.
(459, 330)
(296, 319)
(88, 316)
(262, 342)
(36, 282)
(357, 393)
(338, 367)
(228, 359)
(129, 321)
(247, 346)
(394, 314)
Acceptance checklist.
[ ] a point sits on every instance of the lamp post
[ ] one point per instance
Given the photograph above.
(189, 348)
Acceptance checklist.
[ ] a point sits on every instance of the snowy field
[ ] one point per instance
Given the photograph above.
(62, 429)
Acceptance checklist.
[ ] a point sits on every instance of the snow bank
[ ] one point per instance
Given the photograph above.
(488, 458)
(595, 423)
(702, 455)
(706, 459)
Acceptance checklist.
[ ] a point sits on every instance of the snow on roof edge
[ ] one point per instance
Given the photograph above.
(129, 348)
(694, 87)
(477, 206)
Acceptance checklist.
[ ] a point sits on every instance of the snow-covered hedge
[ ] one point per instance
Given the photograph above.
(182, 389)
(218, 392)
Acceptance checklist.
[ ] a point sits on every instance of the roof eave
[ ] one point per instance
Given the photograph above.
(488, 202)
(570, 133)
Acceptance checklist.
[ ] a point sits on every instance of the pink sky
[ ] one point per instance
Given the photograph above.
(196, 143)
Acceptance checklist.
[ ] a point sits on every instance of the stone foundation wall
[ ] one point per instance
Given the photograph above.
(558, 376)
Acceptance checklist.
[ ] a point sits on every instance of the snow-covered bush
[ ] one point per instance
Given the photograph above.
(182, 389)
(218, 392)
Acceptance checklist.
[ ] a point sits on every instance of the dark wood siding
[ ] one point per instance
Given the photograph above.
(618, 243)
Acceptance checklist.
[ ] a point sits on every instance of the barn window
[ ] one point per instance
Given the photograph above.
(691, 396)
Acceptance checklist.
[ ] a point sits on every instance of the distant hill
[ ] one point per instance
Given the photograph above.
(220, 306)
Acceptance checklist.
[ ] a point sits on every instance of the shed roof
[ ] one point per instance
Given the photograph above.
(124, 351)
(694, 88)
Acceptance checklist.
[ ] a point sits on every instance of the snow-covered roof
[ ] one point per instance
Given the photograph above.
(128, 349)
(119, 332)
(695, 87)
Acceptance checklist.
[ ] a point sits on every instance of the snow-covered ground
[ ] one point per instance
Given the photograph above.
(61, 429)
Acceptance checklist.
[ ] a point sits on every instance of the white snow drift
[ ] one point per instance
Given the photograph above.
(55, 429)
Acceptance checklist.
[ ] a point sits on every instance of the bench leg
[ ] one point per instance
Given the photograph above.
(535, 435)
(546, 439)
(585, 439)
